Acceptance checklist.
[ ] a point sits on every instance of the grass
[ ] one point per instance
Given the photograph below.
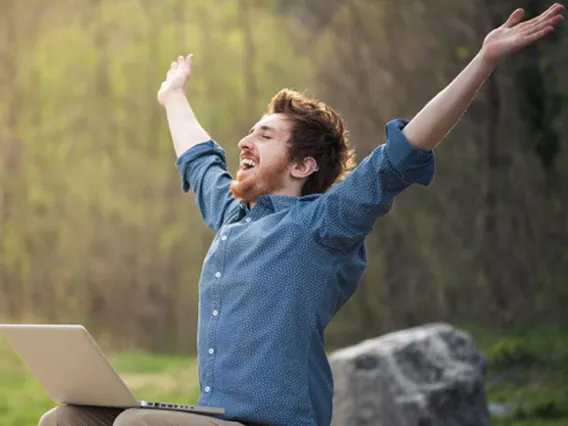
(150, 377)
(529, 369)
(526, 367)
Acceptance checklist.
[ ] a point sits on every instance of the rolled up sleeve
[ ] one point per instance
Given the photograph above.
(203, 170)
(414, 165)
(344, 216)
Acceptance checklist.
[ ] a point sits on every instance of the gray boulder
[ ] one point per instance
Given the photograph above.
(430, 375)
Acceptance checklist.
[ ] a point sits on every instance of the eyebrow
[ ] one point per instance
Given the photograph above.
(264, 127)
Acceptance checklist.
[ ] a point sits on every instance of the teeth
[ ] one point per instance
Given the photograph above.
(248, 162)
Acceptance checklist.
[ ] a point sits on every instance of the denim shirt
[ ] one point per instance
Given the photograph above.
(275, 276)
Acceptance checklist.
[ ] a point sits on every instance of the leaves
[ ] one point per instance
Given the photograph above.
(94, 227)
(98, 224)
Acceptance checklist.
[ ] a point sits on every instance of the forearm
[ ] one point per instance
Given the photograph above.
(184, 127)
(427, 129)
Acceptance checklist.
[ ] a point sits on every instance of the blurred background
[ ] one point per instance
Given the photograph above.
(94, 227)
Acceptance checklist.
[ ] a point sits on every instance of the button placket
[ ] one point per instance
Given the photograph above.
(215, 313)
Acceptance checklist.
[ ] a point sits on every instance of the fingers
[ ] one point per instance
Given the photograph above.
(181, 61)
(543, 24)
(553, 10)
(514, 18)
(531, 38)
(551, 13)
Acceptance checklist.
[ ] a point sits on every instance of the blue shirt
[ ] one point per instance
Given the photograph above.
(275, 275)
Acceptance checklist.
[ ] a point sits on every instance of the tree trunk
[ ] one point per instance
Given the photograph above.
(11, 285)
(251, 96)
(491, 157)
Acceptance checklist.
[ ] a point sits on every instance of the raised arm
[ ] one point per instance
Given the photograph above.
(184, 127)
(427, 129)
(200, 161)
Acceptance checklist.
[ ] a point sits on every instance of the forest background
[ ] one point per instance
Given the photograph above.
(94, 228)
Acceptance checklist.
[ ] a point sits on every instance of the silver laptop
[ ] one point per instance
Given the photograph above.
(72, 368)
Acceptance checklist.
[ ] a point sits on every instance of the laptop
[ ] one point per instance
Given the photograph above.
(72, 368)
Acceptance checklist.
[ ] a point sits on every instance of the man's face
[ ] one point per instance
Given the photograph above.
(264, 164)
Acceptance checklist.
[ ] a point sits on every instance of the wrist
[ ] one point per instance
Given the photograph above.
(487, 61)
(173, 96)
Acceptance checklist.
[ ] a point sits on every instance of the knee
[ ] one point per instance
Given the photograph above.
(143, 417)
(129, 417)
(56, 416)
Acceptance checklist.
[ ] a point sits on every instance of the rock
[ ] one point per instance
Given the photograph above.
(424, 376)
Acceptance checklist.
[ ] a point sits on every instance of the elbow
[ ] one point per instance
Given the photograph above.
(420, 141)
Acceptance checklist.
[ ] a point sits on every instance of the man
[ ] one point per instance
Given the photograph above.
(288, 253)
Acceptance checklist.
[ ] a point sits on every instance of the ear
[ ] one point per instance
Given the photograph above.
(304, 168)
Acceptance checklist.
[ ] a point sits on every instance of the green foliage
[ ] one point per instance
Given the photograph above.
(94, 226)
(530, 422)
(21, 398)
(541, 102)
(527, 368)
(510, 352)
(547, 410)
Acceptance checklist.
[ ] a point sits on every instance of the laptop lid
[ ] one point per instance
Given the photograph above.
(69, 364)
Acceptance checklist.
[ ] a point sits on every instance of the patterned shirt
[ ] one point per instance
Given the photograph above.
(275, 276)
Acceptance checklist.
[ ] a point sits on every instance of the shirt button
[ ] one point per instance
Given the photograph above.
(224, 237)
(218, 274)
(215, 312)
(211, 351)
(207, 389)
(248, 219)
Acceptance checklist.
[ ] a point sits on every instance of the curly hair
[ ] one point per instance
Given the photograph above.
(318, 132)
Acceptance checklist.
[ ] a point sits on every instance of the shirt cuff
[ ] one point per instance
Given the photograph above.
(202, 149)
(414, 165)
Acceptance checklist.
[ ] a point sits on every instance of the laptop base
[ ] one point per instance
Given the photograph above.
(196, 409)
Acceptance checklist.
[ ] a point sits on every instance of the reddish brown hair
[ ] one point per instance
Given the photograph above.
(318, 132)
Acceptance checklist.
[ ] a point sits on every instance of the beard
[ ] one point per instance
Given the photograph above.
(248, 186)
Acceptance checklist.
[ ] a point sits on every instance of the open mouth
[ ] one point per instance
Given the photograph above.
(247, 164)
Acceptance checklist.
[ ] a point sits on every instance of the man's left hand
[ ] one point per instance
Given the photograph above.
(513, 35)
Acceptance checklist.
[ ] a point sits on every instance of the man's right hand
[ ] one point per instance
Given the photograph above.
(184, 127)
(176, 78)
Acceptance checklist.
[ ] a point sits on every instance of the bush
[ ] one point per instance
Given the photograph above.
(544, 410)
(510, 352)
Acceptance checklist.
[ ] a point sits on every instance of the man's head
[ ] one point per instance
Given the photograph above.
(299, 147)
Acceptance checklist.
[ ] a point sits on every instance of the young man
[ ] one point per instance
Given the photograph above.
(287, 253)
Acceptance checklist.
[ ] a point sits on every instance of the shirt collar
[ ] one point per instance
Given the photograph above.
(282, 202)
(273, 202)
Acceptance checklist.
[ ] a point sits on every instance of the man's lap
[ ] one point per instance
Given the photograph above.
(68, 415)
(91, 416)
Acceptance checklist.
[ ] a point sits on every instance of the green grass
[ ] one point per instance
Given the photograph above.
(527, 367)
(150, 377)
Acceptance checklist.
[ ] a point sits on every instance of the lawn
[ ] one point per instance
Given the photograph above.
(528, 368)
(150, 377)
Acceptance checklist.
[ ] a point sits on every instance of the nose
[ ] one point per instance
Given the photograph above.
(245, 144)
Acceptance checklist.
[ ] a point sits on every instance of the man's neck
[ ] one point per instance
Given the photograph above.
(284, 192)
